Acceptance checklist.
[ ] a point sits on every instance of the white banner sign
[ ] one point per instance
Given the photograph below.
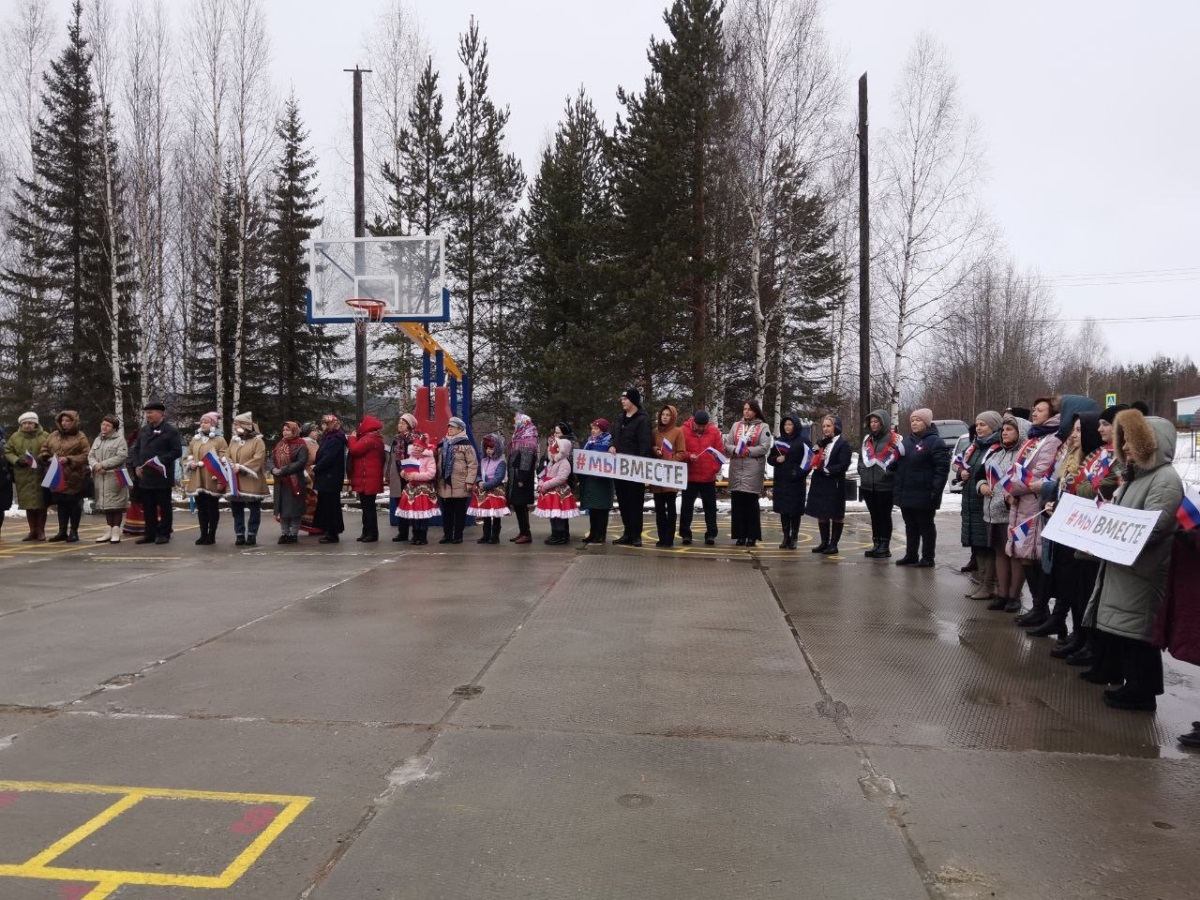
(658, 472)
(1114, 533)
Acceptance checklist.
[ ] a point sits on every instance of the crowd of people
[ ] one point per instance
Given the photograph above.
(1018, 465)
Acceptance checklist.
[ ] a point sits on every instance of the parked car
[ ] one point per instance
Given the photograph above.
(951, 430)
(953, 482)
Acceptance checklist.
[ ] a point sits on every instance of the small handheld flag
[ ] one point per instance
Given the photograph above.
(31, 460)
(410, 465)
(55, 476)
(1019, 533)
(993, 475)
(1189, 509)
(717, 454)
(740, 449)
(231, 479)
(123, 477)
(667, 446)
(215, 467)
(155, 463)
(810, 459)
(959, 462)
(783, 446)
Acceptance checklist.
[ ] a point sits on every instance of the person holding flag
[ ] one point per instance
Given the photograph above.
(920, 481)
(747, 444)
(247, 478)
(157, 448)
(22, 453)
(997, 463)
(68, 447)
(703, 444)
(881, 448)
(827, 491)
(110, 478)
(975, 533)
(668, 443)
(289, 462)
(207, 479)
(790, 478)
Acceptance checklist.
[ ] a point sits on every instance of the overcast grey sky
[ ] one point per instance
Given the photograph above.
(1087, 110)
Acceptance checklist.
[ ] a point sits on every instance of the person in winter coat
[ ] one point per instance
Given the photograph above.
(633, 435)
(366, 461)
(397, 453)
(1125, 603)
(595, 492)
(6, 478)
(207, 485)
(329, 473)
(109, 454)
(975, 532)
(877, 478)
(457, 471)
(747, 446)
(555, 500)
(668, 443)
(997, 463)
(1178, 630)
(289, 463)
(702, 440)
(418, 502)
(920, 480)
(827, 493)
(154, 454)
(522, 472)
(311, 433)
(70, 447)
(791, 477)
(488, 502)
(247, 457)
(23, 452)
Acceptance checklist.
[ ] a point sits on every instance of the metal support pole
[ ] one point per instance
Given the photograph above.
(864, 261)
(360, 230)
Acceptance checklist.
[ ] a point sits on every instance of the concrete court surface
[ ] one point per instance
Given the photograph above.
(386, 721)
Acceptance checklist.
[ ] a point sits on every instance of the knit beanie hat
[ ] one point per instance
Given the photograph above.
(700, 417)
(411, 420)
(244, 420)
(924, 414)
(633, 395)
(28, 417)
(602, 424)
(992, 418)
(211, 415)
(1109, 415)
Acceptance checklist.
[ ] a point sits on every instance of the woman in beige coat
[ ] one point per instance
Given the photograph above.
(204, 486)
(109, 454)
(70, 447)
(247, 457)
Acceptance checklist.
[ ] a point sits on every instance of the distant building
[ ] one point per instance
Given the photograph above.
(1186, 409)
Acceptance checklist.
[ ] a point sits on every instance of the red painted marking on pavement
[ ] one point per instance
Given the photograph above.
(255, 819)
(8, 798)
(74, 891)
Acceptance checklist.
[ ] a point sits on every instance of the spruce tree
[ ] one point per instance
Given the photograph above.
(566, 345)
(297, 358)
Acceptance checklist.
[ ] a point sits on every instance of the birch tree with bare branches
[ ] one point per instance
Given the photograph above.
(929, 225)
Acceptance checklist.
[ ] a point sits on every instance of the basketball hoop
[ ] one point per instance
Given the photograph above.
(366, 309)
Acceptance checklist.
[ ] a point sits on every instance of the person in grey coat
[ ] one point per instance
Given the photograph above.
(1125, 602)
(747, 445)
(288, 462)
(109, 453)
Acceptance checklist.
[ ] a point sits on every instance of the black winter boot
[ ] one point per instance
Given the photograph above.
(823, 527)
(836, 536)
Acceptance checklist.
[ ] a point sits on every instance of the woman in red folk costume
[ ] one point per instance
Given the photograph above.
(554, 498)
(488, 500)
(418, 503)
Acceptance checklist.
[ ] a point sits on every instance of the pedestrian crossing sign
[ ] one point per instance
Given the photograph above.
(1110, 400)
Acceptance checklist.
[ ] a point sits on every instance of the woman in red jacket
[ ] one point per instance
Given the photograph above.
(367, 455)
(703, 442)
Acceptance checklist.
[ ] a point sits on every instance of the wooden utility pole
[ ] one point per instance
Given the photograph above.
(360, 256)
(864, 262)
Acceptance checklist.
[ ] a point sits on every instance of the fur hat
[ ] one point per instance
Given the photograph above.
(28, 417)
(562, 447)
(634, 396)
(1133, 430)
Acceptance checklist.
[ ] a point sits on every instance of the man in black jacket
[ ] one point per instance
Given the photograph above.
(155, 452)
(631, 434)
(329, 473)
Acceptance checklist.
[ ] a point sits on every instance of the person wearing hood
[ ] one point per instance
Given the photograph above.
(827, 492)
(668, 443)
(555, 501)
(109, 453)
(1125, 602)
(998, 462)
(790, 481)
(596, 492)
(703, 441)
(247, 459)
(157, 448)
(22, 452)
(418, 501)
(289, 464)
(457, 472)
(487, 500)
(976, 532)
(397, 453)
(877, 479)
(70, 447)
(747, 445)
(328, 475)
(920, 481)
(206, 481)
(367, 455)
(631, 434)
(522, 469)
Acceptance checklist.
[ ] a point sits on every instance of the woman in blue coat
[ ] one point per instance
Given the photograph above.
(790, 481)
(920, 480)
(827, 492)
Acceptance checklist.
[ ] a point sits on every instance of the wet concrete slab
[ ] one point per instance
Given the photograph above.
(552, 815)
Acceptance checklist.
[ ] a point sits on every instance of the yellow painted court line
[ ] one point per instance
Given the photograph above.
(87, 829)
(57, 787)
(114, 877)
(102, 890)
(250, 855)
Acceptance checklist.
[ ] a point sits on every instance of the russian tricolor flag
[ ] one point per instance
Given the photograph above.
(667, 446)
(783, 446)
(123, 477)
(410, 465)
(155, 463)
(1189, 509)
(740, 449)
(993, 475)
(55, 476)
(809, 458)
(215, 467)
(232, 480)
(1021, 532)
(717, 454)
(31, 460)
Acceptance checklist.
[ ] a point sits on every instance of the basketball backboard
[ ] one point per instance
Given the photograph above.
(407, 274)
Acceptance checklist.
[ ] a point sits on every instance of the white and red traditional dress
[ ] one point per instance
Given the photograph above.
(555, 498)
(489, 500)
(418, 500)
